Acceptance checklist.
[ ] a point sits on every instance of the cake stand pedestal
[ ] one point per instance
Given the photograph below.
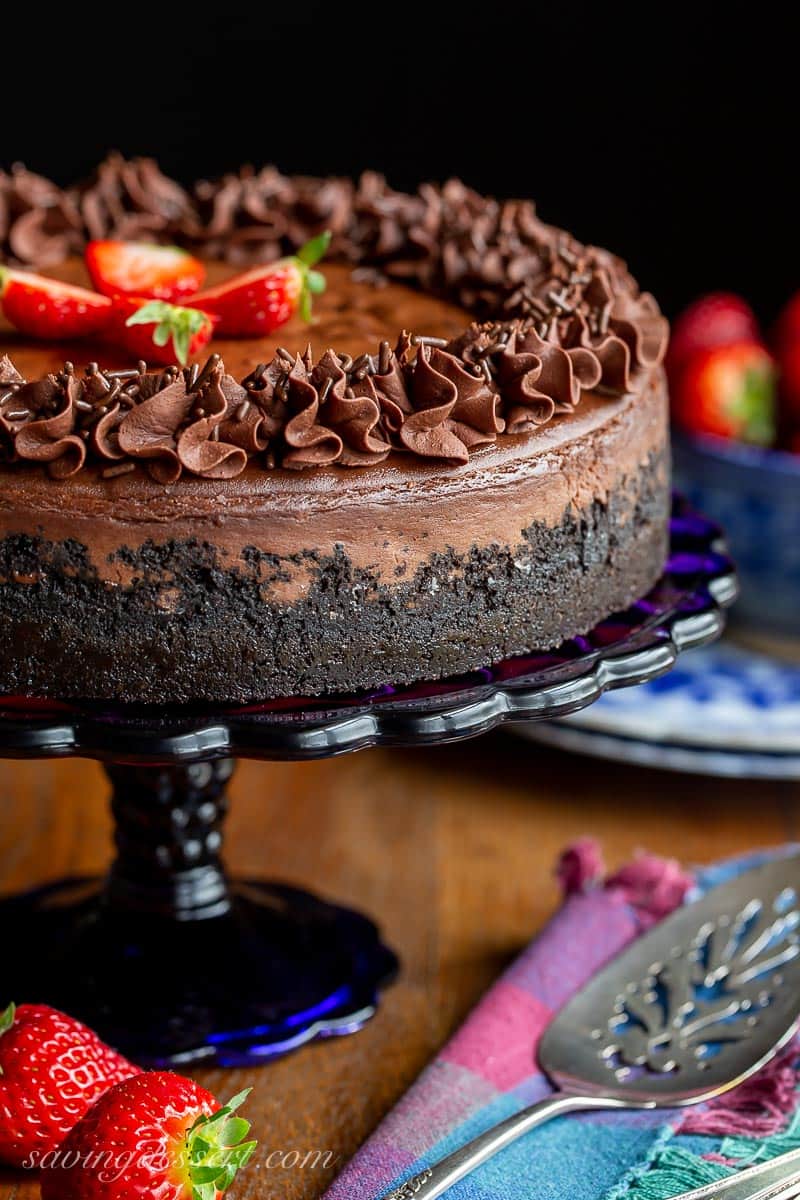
(171, 960)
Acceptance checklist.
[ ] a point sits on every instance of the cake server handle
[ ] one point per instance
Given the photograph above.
(434, 1180)
(776, 1179)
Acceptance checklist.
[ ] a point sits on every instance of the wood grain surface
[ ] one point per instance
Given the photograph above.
(450, 849)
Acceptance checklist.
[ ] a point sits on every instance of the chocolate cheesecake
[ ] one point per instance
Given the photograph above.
(463, 458)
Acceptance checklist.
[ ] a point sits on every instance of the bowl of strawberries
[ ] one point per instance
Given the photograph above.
(735, 398)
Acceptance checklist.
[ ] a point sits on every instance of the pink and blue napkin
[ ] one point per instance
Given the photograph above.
(488, 1070)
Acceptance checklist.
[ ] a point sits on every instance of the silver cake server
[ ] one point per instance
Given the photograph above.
(689, 1011)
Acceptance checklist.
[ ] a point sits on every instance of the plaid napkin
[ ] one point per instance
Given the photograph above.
(488, 1070)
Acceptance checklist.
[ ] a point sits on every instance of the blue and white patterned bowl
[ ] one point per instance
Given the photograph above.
(754, 494)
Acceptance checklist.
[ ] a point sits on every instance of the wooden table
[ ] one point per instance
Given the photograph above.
(451, 849)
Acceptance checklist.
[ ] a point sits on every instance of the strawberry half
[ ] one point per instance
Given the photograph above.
(49, 309)
(143, 269)
(157, 331)
(259, 301)
(158, 1135)
(52, 1070)
(728, 391)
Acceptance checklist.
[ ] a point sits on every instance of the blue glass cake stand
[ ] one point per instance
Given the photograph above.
(172, 961)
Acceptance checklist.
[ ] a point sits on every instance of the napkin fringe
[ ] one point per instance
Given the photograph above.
(749, 1150)
(760, 1107)
(668, 1171)
(653, 886)
(757, 1121)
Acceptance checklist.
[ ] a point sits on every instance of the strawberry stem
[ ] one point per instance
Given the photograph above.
(7, 1018)
(313, 283)
(6, 1021)
(171, 321)
(315, 249)
(216, 1150)
(316, 282)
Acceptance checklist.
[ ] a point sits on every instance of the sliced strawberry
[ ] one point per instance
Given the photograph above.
(259, 301)
(49, 309)
(728, 391)
(157, 331)
(719, 319)
(143, 269)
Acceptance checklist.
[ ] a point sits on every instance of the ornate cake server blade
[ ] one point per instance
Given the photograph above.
(689, 1011)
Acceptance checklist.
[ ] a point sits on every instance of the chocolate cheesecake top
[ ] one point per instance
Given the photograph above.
(551, 319)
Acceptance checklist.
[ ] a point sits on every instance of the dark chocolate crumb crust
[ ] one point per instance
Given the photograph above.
(189, 630)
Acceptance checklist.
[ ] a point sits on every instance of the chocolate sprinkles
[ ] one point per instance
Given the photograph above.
(553, 318)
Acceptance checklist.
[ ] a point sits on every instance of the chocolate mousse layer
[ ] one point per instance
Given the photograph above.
(303, 583)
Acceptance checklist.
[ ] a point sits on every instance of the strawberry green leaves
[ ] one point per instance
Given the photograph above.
(7, 1018)
(6, 1021)
(172, 323)
(313, 282)
(315, 249)
(217, 1150)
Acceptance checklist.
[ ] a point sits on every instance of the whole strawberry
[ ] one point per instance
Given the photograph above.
(158, 1136)
(718, 319)
(728, 391)
(260, 301)
(52, 1069)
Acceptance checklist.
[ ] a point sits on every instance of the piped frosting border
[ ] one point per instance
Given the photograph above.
(554, 318)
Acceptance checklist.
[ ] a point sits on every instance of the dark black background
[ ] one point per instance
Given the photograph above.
(666, 132)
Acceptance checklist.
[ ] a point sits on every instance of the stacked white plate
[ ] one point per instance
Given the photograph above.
(723, 710)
